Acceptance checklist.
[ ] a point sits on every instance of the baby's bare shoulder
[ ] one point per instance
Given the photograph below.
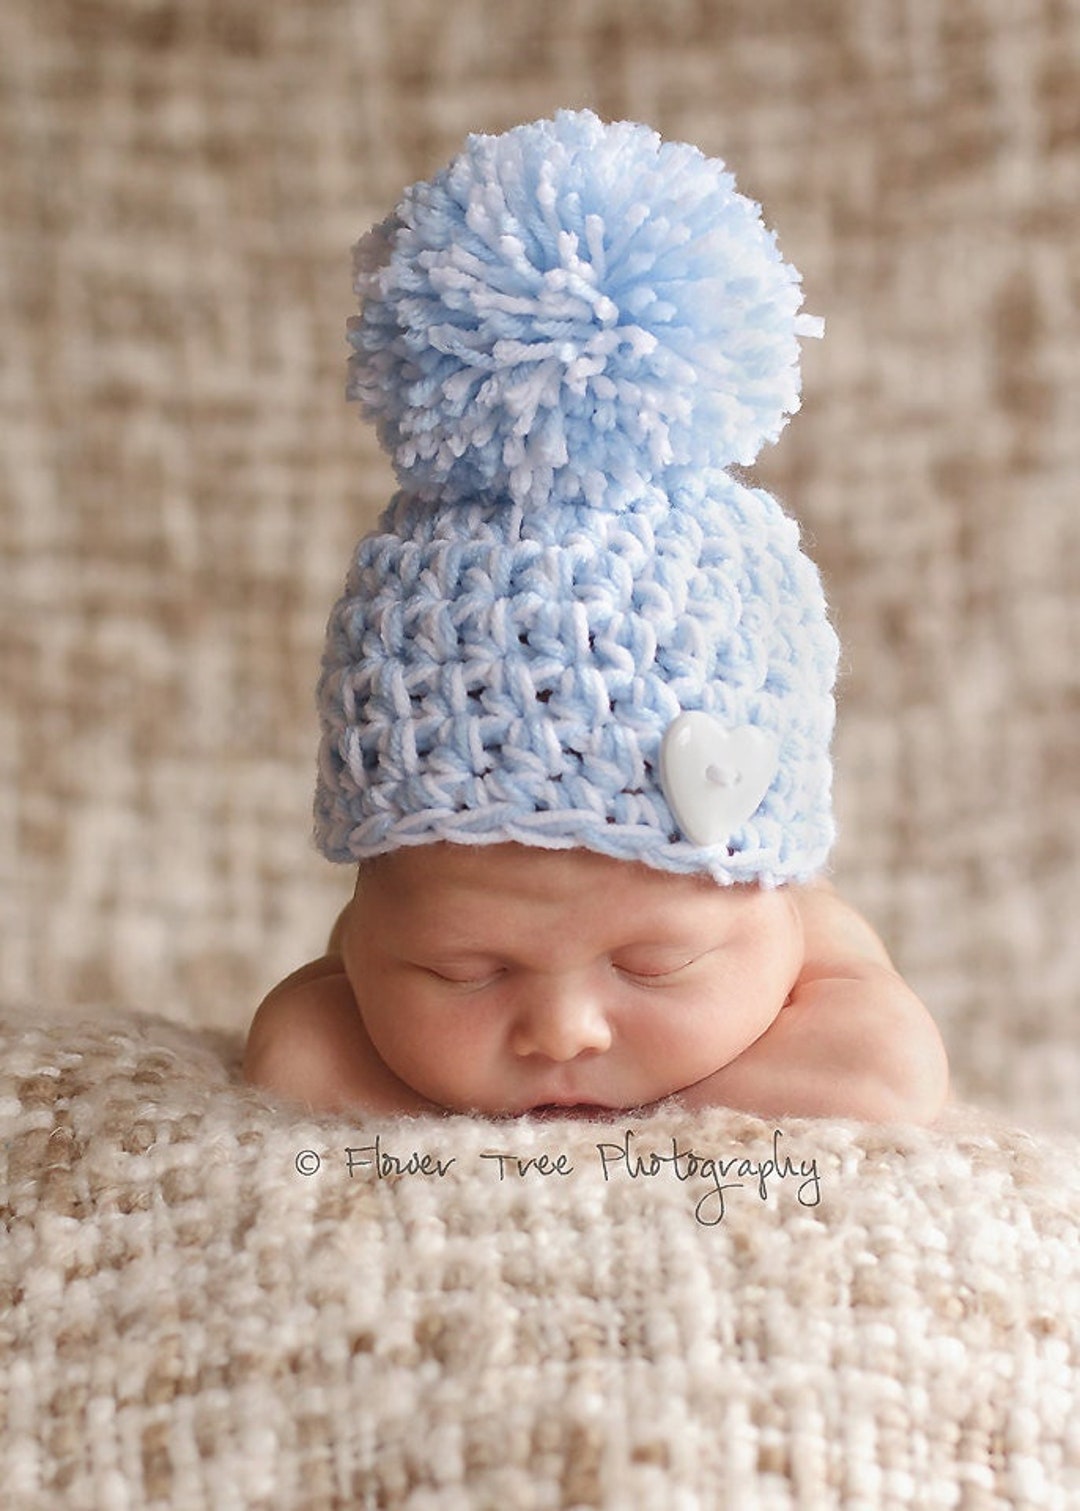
(308, 1042)
(838, 941)
(297, 1024)
(857, 1009)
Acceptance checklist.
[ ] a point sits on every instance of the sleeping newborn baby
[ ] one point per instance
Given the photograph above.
(507, 980)
(577, 697)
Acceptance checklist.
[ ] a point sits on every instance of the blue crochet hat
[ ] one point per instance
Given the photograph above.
(573, 627)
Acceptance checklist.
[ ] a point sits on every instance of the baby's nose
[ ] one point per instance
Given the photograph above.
(560, 1021)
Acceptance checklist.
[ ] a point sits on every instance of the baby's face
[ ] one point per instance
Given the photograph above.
(501, 979)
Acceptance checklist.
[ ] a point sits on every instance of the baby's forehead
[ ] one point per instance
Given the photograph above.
(430, 888)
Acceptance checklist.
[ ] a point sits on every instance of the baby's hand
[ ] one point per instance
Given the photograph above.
(853, 1039)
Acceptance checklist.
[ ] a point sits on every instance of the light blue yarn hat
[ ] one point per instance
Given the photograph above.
(572, 627)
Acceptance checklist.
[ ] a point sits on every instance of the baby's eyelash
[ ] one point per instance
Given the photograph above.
(479, 978)
(648, 977)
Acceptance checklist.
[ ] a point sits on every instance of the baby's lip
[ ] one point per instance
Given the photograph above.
(567, 1109)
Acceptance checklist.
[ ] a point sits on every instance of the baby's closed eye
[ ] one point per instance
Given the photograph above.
(464, 972)
(655, 965)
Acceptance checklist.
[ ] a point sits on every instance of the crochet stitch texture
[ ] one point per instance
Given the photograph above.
(564, 339)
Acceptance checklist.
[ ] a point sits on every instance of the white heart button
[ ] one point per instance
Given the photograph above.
(714, 778)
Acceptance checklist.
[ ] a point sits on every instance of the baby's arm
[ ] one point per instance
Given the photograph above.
(308, 1042)
(853, 1039)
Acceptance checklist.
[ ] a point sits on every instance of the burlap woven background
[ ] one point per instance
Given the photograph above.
(181, 481)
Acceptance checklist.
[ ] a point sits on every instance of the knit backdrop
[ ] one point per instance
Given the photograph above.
(187, 1319)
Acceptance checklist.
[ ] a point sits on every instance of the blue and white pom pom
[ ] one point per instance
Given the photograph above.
(567, 312)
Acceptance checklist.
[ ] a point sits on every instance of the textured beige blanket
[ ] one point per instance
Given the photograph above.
(210, 1303)
(187, 1319)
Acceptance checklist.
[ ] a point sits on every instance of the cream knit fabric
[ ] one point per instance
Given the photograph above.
(211, 1303)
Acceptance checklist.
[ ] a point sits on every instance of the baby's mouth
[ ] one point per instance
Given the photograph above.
(581, 1111)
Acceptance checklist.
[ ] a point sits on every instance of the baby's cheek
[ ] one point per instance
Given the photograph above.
(442, 1069)
(796, 931)
(775, 957)
(744, 999)
(351, 959)
(411, 1037)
